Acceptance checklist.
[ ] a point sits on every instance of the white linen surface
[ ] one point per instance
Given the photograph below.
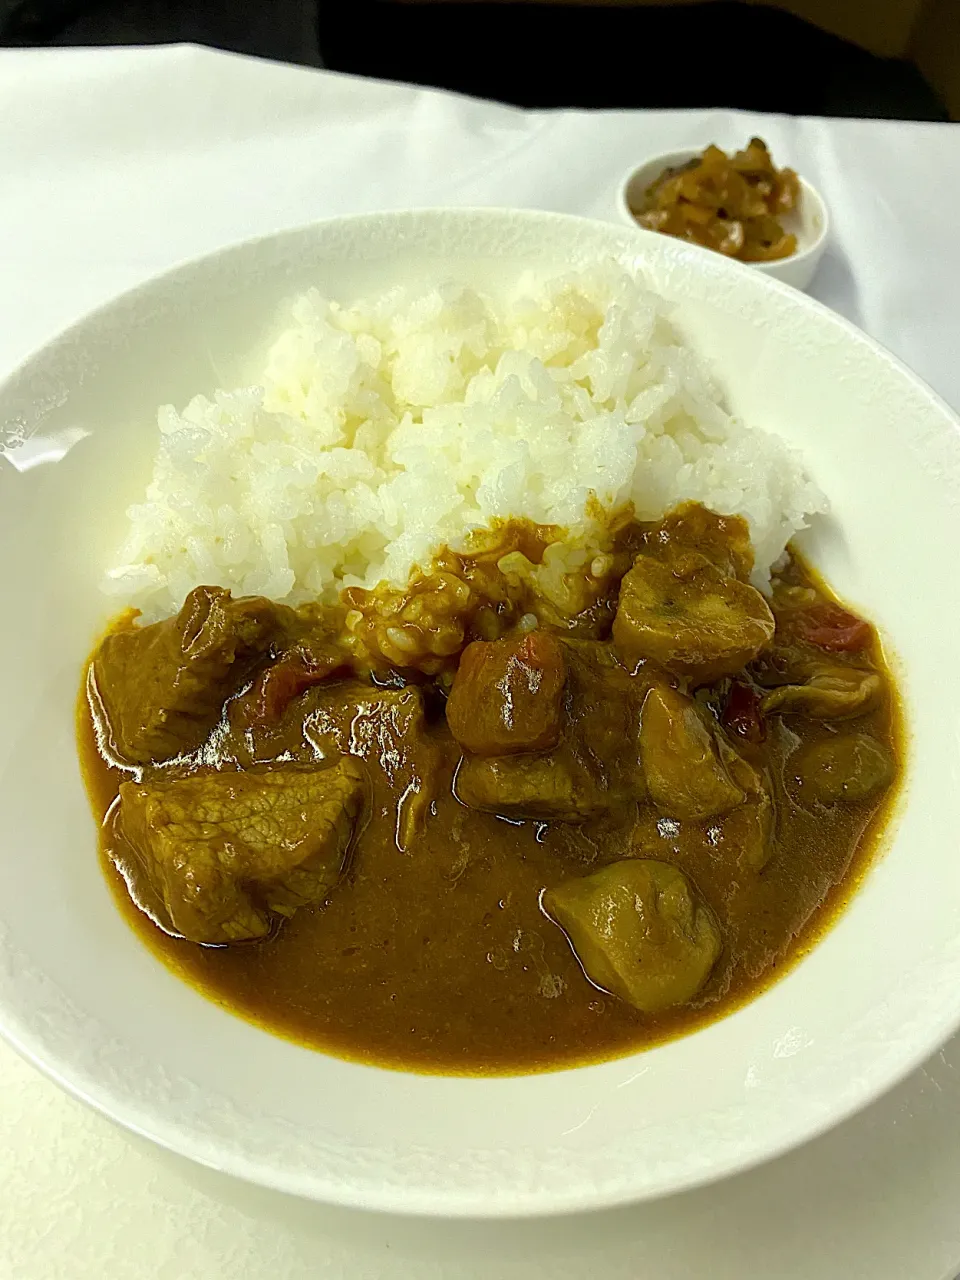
(115, 164)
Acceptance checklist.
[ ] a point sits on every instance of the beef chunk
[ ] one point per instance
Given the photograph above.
(163, 686)
(556, 786)
(506, 696)
(309, 662)
(594, 765)
(225, 850)
(387, 729)
(384, 727)
(850, 767)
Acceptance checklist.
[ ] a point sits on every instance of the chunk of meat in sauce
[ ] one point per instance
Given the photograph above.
(690, 618)
(555, 787)
(386, 728)
(741, 840)
(383, 726)
(330, 719)
(224, 851)
(593, 768)
(162, 686)
(603, 703)
(640, 931)
(507, 695)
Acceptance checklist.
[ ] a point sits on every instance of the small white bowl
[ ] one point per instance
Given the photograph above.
(810, 223)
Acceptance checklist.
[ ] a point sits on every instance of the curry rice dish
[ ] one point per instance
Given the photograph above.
(448, 726)
(557, 845)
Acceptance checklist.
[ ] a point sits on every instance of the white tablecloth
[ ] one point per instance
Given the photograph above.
(116, 164)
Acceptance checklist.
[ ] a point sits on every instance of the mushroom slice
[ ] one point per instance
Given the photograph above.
(690, 618)
(831, 693)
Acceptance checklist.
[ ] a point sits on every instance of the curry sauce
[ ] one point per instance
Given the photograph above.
(433, 951)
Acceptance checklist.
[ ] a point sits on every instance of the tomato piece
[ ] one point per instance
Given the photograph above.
(286, 680)
(742, 715)
(292, 674)
(830, 627)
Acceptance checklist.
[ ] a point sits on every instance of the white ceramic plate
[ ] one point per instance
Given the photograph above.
(88, 1003)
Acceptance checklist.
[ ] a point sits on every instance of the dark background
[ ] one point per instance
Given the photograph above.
(722, 55)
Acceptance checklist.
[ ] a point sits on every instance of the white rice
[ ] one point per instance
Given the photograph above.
(384, 430)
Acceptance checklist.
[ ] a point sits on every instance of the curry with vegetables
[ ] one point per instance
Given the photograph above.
(509, 819)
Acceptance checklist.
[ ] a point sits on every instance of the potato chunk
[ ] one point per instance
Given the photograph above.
(224, 850)
(685, 775)
(640, 930)
(748, 830)
(690, 618)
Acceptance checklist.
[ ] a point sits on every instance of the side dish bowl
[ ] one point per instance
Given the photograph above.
(810, 223)
(85, 1001)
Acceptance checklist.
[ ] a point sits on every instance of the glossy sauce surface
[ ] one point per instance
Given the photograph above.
(433, 953)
